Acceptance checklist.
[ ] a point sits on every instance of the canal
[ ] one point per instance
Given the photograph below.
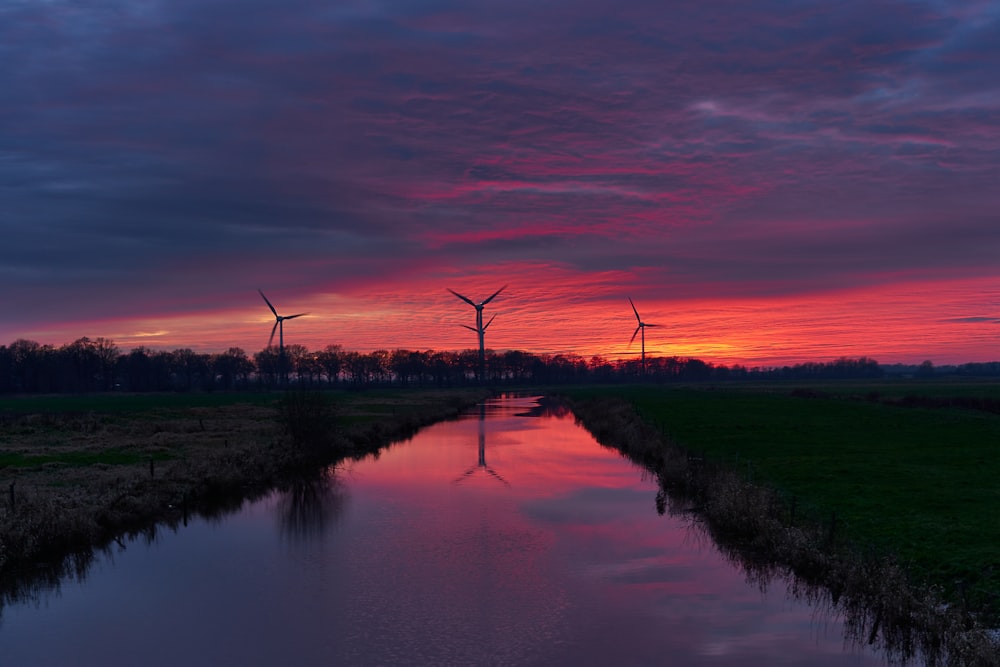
(506, 537)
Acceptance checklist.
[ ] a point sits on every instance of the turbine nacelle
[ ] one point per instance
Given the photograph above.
(477, 306)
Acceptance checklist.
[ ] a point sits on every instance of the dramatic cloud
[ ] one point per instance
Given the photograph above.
(159, 161)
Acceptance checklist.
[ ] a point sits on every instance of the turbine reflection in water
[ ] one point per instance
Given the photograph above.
(481, 464)
(568, 565)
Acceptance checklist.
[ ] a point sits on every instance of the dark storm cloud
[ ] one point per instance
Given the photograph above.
(975, 320)
(166, 153)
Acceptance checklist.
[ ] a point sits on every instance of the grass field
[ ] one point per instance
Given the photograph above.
(126, 403)
(77, 471)
(922, 483)
(907, 468)
(119, 429)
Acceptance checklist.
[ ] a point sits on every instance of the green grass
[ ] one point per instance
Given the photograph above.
(921, 483)
(80, 458)
(127, 403)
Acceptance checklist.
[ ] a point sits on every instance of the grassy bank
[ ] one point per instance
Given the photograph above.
(79, 472)
(875, 474)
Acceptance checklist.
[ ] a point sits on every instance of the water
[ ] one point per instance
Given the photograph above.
(497, 539)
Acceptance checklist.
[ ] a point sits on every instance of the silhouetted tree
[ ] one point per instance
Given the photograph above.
(6, 370)
(98, 365)
(33, 366)
(190, 370)
(107, 358)
(355, 368)
(136, 370)
(379, 366)
(409, 367)
(268, 366)
(295, 361)
(330, 362)
(232, 368)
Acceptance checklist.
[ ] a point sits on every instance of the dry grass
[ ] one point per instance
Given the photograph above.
(72, 483)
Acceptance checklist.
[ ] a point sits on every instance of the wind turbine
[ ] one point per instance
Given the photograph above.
(481, 465)
(479, 328)
(642, 327)
(279, 326)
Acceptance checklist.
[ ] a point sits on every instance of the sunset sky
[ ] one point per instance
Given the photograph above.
(771, 182)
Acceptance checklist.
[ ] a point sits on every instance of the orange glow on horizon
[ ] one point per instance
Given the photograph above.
(546, 311)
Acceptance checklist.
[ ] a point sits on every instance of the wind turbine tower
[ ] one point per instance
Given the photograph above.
(279, 326)
(480, 329)
(642, 327)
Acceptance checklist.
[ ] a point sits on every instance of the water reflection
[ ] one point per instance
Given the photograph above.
(46, 579)
(544, 406)
(310, 505)
(481, 464)
(751, 529)
(567, 565)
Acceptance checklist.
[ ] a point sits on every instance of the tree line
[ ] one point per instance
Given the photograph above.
(98, 365)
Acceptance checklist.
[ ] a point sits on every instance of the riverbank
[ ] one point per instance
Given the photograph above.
(74, 480)
(727, 458)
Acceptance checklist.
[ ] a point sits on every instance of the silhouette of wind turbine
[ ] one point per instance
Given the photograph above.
(279, 326)
(479, 328)
(642, 327)
(481, 465)
(485, 326)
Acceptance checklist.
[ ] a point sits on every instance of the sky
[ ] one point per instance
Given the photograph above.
(771, 182)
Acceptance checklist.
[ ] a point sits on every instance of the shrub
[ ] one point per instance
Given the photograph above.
(309, 418)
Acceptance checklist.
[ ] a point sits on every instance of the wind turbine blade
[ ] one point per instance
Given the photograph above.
(647, 324)
(635, 311)
(271, 339)
(464, 475)
(292, 317)
(494, 295)
(267, 302)
(463, 298)
(496, 475)
(634, 334)
(490, 322)
(471, 328)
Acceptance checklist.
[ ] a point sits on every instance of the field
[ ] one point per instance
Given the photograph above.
(76, 472)
(901, 468)
(905, 468)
